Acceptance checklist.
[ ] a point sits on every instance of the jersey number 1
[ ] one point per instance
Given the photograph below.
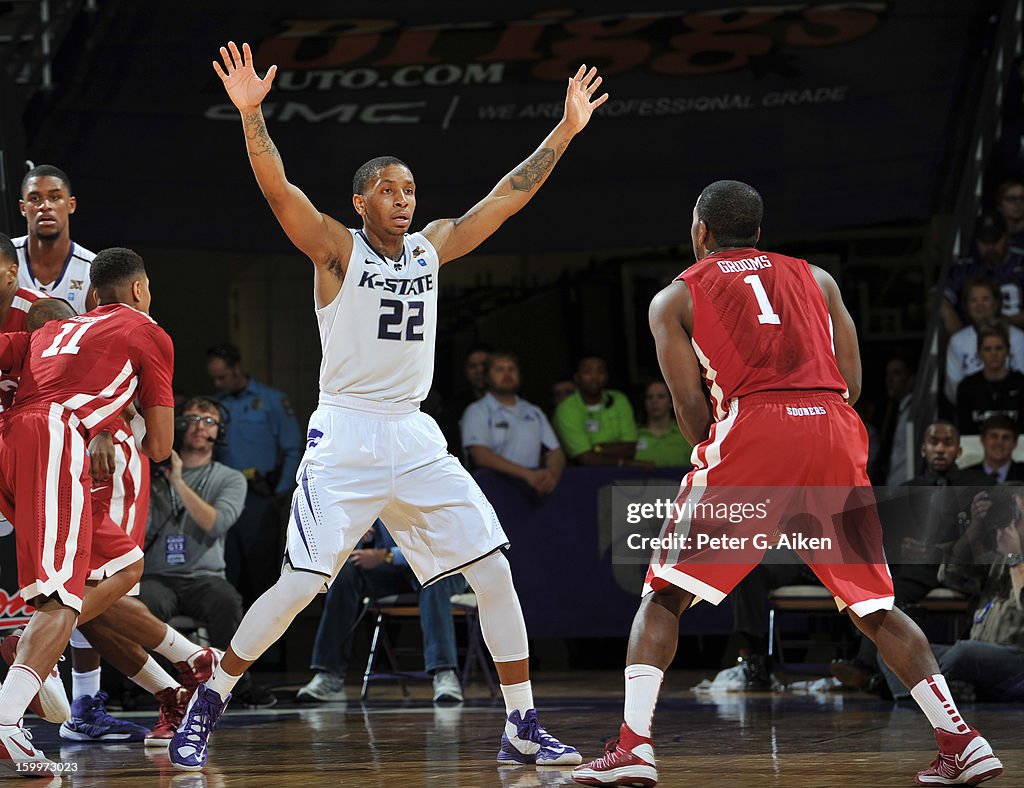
(71, 345)
(767, 316)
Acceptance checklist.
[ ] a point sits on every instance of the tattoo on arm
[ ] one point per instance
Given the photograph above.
(533, 170)
(256, 133)
(562, 147)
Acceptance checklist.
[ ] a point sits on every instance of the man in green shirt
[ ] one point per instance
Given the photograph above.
(596, 424)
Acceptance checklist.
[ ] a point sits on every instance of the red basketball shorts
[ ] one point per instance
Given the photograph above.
(45, 492)
(802, 451)
(120, 503)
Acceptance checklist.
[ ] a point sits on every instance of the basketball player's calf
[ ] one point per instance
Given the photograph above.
(965, 757)
(504, 630)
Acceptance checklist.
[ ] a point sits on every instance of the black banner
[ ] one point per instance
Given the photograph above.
(841, 113)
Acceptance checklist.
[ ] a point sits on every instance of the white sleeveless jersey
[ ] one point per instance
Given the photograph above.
(72, 284)
(378, 334)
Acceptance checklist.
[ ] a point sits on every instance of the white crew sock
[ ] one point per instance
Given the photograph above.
(643, 682)
(22, 684)
(932, 695)
(175, 647)
(87, 683)
(222, 682)
(154, 678)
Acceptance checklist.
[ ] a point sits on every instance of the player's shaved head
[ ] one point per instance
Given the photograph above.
(732, 211)
(46, 171)
(8, 254)
(370, 171)
(46, 309)
(113, 271)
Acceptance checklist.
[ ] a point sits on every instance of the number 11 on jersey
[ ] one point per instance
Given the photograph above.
(767, 316)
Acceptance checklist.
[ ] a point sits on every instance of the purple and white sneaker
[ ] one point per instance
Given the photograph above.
(532, 744)
(188, 747)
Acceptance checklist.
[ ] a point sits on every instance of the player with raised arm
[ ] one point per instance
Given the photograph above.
(370, 450)
(771, 340)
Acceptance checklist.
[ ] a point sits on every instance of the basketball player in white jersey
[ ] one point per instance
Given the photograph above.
(370, 451)
(49, 260)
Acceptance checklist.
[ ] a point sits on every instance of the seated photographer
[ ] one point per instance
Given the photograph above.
(986, 560)
(193, 502)
(377, 568)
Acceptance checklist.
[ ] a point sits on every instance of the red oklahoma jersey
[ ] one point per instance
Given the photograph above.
(760, 323)
(93, 365)
(16, 320)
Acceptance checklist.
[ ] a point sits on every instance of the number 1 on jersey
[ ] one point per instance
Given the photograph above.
(767, 316)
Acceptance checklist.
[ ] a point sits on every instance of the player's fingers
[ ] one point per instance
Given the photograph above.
(219, 70)
(236, 56)
(226, 57)
(599, 101)
(592, 88)
(590, 75)
(246, 54)
(582, 70)
(268, 80)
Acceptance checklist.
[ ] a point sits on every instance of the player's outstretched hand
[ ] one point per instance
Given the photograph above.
(579, 101)
(245, 89)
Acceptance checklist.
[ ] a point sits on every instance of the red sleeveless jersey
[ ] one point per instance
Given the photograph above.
(92, 365)
(760, 323)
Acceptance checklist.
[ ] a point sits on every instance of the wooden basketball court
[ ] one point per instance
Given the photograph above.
(731, 739)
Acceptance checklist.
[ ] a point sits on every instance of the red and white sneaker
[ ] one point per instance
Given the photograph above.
(963, 759)
(51, 702)
(173, 702)
(198, 668)
(629, 761)
(18, 753)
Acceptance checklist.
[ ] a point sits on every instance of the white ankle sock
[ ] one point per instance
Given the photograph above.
(153, 678)
(643, 682)
(20, 686)
(222, 682)
(518, 697)
(176, 647)
(932, 695)
(87, 683)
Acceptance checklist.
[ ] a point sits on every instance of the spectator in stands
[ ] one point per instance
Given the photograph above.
(992, 259)
(899, 387)
(505, 432)
(1010, 204)
(982, 304)
(263, 441)
(193, 503)
(918, 532)
(659, 441)
(378, 568)
(999, 435)
(596, 424)
(987, 559)
(995, 389)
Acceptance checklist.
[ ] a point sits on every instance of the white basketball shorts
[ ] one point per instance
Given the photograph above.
(368, 459)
